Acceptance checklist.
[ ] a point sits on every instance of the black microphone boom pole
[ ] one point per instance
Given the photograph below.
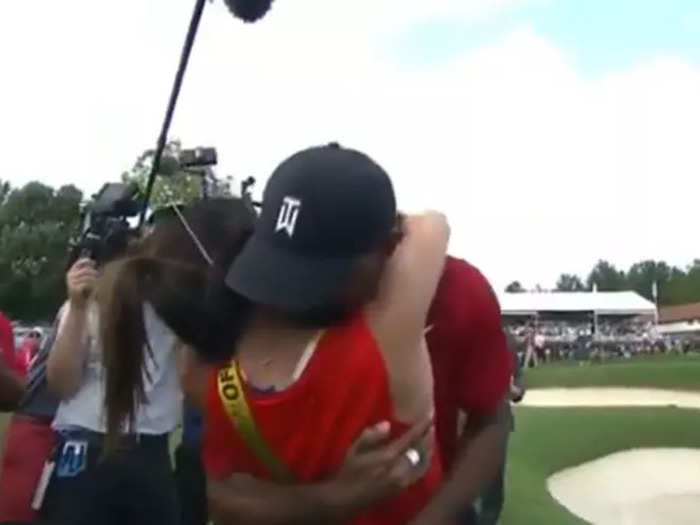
(182, 67)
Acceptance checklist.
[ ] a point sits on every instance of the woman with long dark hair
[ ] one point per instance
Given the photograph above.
(129, 479)
(339, 287)
(179, 273)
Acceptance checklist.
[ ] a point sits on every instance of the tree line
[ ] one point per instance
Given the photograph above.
(672, 285)
(36, 223)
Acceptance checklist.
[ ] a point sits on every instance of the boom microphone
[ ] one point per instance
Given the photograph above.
(249, 10)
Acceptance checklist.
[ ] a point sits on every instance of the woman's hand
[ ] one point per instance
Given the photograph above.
(80, 282)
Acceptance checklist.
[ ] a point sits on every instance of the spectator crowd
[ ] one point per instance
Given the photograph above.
(545, 341)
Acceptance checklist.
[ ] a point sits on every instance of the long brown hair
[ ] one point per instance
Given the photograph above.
(179, 270)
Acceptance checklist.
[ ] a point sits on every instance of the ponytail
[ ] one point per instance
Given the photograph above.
(187, 291)
(194, 303)
(123, 289)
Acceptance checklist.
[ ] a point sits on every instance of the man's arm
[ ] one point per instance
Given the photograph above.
(11, 388)
(517, 388)
(373, 470)
(483, 368)
(479, 457)
(244, 500)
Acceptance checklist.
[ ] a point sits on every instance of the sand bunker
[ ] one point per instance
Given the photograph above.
(598, 397)
(635, 487)
(658, 486)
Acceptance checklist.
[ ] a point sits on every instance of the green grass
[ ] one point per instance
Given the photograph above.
(671, 372)
(547, 440)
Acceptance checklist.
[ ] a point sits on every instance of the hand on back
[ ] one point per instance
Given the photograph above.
(376, 468)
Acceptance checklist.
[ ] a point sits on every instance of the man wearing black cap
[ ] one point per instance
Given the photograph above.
(301, 267)
(275, 270)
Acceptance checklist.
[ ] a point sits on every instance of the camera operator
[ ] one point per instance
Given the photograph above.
(135, 483)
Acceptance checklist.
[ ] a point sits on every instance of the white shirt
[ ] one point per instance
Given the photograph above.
(159, 415)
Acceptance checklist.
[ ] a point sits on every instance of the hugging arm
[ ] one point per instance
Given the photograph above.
(374, 469)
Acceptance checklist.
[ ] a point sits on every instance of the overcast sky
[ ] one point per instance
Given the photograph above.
(553, 133)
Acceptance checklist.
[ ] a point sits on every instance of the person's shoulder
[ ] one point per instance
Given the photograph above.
(464, 303)
(466, 284)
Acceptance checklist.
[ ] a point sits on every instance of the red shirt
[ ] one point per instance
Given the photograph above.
(471, 362)
(312, 424)
(7, 343)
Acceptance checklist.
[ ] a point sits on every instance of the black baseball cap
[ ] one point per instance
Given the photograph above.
(322, 208)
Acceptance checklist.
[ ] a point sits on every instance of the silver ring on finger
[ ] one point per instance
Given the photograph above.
(413, 456)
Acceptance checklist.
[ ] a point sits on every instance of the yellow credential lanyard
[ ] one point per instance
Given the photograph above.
(236, 405)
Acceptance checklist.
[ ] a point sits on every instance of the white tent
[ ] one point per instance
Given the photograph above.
(602, 303)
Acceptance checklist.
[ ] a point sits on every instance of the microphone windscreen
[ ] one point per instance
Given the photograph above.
(249, 10)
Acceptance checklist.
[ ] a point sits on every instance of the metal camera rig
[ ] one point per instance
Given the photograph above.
(105, 228)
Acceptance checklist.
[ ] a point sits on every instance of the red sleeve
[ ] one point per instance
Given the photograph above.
(484, 363)
(7, 342)
(217, 452)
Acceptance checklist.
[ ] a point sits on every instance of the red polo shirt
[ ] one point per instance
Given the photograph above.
(471, 362)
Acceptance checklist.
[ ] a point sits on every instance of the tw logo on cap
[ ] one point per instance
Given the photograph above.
(287, 218)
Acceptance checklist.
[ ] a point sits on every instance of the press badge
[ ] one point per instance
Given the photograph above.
(72, 460)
